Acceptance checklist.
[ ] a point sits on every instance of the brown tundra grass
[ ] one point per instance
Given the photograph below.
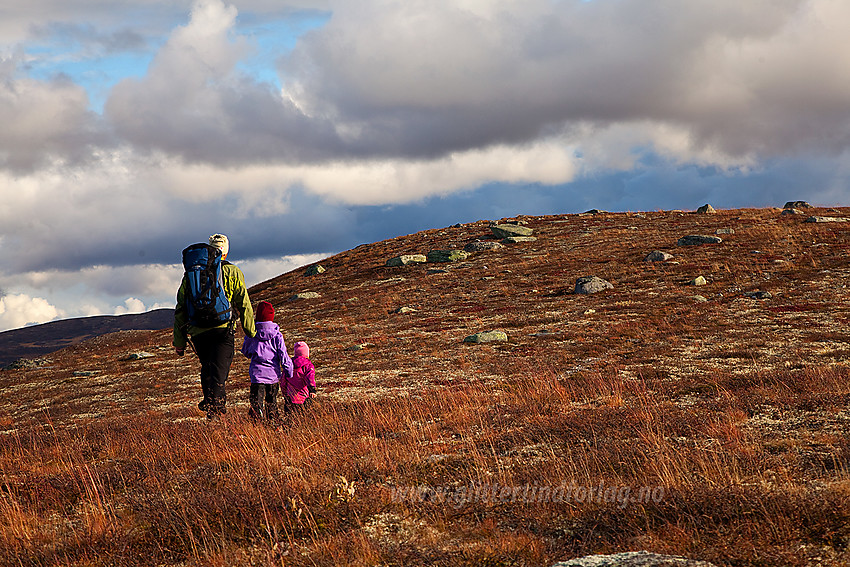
(641, 418)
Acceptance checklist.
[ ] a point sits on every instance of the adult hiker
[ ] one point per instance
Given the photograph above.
(212, 291)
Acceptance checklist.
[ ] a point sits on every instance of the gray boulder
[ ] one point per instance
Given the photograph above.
(482, 245)
(314, 270)
(406, 259)
(443, 256)
(633, 559)
(518, 239)
(797, 205)
(706, 210)
(658, 256)
(826, 219)
(793, 212)
(697, 239)
(506, 230)
(591, 284)
(487, 337)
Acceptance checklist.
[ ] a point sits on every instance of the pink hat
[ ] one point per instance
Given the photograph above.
(301, 349)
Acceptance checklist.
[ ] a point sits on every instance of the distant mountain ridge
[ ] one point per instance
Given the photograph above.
(37, 340)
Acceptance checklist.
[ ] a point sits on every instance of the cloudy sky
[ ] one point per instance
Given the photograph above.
(132, 128)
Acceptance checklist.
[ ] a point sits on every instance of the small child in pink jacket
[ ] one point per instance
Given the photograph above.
(301, 387)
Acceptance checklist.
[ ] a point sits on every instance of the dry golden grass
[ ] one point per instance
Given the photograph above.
(642, 418)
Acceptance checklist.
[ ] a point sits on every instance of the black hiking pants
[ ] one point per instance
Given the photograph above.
(215, 351)
(263, 399)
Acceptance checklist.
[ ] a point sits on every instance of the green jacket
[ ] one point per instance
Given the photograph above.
(233, 281)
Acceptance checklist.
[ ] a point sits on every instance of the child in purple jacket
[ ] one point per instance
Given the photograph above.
(269, 363)
(301, 386)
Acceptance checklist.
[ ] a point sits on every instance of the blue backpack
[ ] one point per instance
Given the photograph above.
(206, 302)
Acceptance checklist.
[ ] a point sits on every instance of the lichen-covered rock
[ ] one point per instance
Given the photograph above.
(406, 259)
(506, 230)
(518, 239)
(487, 337)
(305, 295)
(443, 256)
(314, 270)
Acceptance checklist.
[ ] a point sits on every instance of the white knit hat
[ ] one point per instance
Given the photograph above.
(220, 241)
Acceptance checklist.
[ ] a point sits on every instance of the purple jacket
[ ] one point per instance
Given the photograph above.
(267, 351)
(303, 375)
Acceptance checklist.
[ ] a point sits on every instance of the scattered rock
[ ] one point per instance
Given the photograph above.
(403, 310)
(487, 337)
(589, 312)
(361, 346)
(406, 259)
(706, 210)
(305, 295)
(443, 256)
(699, 298)
(797, 205)
(725, 231)
(507, 230)
(543, 333)
(633, 559)
(86, 372)
(140, 355)
(592, 212)
(591, 284)
(510, 221)
(697, 239)
(792, 212)
(25, 363)
(518, 239)
(315, 270)
(826, 219)
(699, 280)
(658, 256)
(482, 245)
(758, 294)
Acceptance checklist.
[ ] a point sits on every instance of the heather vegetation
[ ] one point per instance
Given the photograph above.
(703, 421)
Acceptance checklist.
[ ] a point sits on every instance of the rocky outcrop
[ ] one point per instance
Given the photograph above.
(706, 210)
(314, 270)
(797, 205)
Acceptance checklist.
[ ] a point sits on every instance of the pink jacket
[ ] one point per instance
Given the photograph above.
(303, 378)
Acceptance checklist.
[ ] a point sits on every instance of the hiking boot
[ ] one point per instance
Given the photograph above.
(204, 405)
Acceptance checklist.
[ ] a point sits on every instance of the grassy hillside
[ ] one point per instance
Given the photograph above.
(706, 421)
